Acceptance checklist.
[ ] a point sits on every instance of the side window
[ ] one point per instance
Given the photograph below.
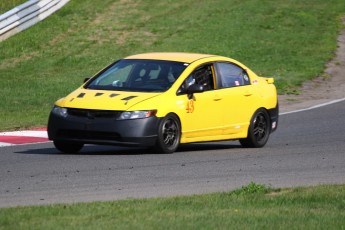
(231, 75)
(202, 75)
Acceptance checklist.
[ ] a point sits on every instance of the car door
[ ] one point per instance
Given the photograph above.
(203, 117)
(237, 97)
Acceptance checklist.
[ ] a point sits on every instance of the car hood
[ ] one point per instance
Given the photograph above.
(104, 100)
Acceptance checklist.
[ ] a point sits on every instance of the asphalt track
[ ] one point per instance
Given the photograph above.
(307, 149)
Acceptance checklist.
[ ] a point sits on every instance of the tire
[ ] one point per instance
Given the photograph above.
(168, 134)
(68, 146)
(259, 130)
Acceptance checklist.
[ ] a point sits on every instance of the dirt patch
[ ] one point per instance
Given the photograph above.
(12, 62)
(330, 86)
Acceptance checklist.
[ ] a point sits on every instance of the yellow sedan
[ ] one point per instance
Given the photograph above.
(161, 100)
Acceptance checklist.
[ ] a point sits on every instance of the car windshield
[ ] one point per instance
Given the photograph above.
(138, 76)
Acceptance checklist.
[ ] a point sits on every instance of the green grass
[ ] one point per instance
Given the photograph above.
(252, 207)
(289, 40)
(6, 5)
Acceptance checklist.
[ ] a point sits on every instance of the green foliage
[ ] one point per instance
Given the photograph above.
(6, 5)
(252, 188)
(321, 207)
(288, 40)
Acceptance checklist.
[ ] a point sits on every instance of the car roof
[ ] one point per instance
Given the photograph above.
(166, 56)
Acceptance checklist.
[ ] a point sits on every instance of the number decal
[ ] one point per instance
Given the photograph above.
(190, 106)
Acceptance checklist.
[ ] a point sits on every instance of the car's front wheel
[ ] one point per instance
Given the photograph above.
(259, 130)
(169, 134)
(68, 146)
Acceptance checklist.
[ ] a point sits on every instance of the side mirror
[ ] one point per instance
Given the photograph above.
(195, 88)
(86, 79)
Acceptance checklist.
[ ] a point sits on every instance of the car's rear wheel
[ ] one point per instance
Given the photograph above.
(68, 146)
(169, 134)
(259, 130)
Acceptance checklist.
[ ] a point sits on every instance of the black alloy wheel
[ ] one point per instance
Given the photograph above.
(259, 130)
(68, 146)
(169, 134)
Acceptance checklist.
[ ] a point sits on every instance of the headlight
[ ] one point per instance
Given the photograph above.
(62, 112)
(137, 114)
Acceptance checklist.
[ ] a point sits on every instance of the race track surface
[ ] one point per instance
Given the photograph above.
(307, 149)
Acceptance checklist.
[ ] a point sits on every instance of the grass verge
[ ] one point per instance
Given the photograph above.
(252, 207)
(6, 5)
(289, 40)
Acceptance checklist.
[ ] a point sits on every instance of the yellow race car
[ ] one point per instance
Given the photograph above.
(161, 100)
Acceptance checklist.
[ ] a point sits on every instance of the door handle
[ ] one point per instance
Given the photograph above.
(217, 98)
(247, 94)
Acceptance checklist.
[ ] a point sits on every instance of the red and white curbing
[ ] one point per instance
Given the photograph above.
(23, 137)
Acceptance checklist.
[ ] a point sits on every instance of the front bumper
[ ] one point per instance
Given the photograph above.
(103, 130)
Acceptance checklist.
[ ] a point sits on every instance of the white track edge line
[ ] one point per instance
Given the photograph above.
(314, 107)
(4, 144)
(28, 133)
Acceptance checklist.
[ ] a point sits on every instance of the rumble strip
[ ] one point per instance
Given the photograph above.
(23, 137)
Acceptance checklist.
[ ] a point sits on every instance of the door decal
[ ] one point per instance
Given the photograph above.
(190, 106)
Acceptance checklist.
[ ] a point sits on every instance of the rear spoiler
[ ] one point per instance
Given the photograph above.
(270, 80)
